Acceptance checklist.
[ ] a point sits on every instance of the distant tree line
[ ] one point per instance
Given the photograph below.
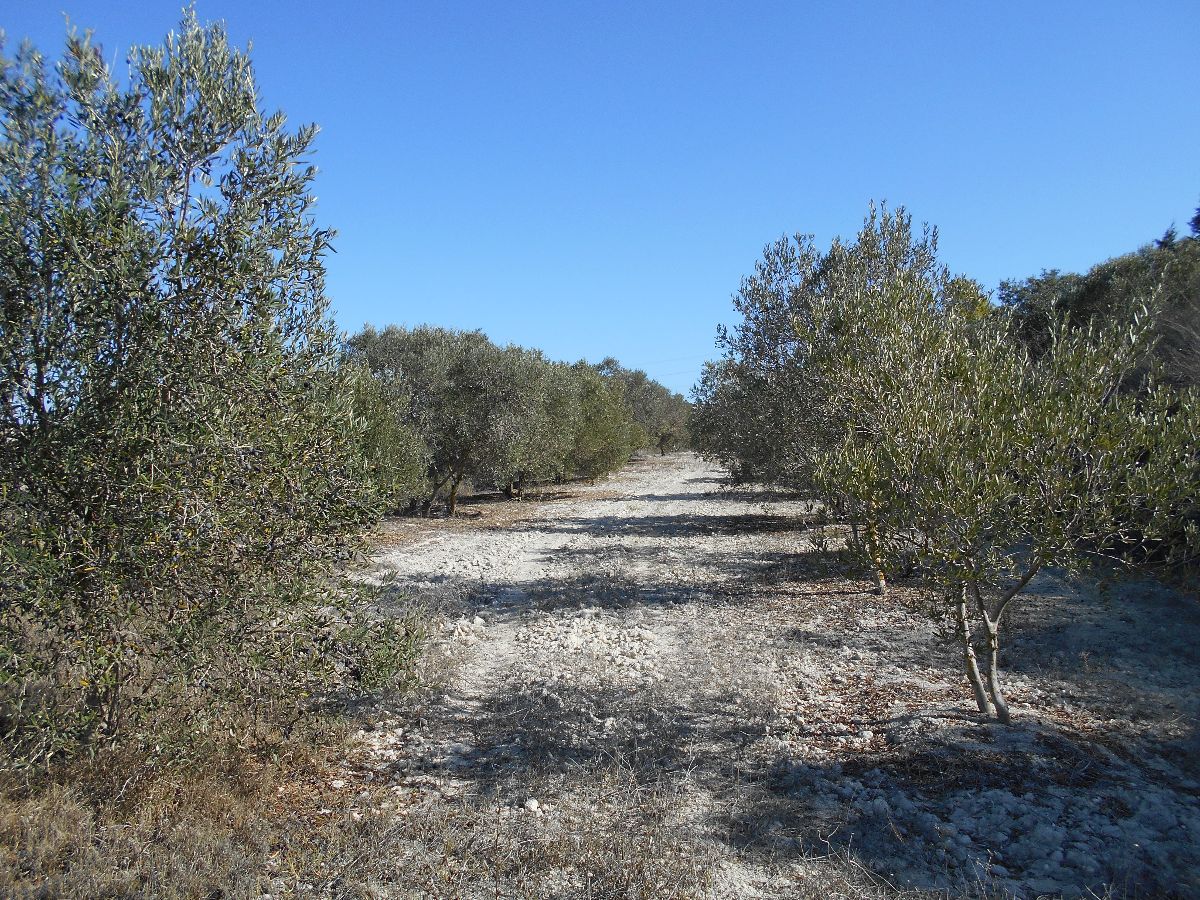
(971, 443)
(1164, 275)
(660, 417)
(446, 406)
(1166, 270)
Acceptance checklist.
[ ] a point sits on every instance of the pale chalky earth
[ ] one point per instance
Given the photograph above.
(661, 639)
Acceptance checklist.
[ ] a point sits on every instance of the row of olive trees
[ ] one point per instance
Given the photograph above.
(181, 456)
(451, 405)
(755, 409)
(913, 407)
(660, 415)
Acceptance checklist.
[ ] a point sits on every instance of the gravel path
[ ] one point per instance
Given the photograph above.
(687, 673)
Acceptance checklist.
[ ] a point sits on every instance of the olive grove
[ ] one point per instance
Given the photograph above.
(929, 427)
(505, 417)
(188, 445)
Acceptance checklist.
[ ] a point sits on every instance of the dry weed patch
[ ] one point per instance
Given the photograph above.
(192, 833)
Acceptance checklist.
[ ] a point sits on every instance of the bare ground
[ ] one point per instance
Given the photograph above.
(661, 687)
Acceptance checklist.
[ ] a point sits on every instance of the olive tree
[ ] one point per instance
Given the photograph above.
(1111, 292)
(532, 416)
(938, 434)
(763, 409)
(548, 422)
(774, 405)
(452, 379)
(604, 437)
(396, 457)
(178, 450)
(661, 416)
(985, 463)
(893, 274)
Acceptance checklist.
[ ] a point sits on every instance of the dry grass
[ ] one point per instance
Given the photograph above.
(621, 845)
(249, 827)
(183, 835)
(232, 834)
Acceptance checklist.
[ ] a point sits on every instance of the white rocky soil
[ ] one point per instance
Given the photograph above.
(703, 643)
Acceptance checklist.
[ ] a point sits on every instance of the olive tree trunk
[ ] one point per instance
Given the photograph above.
(874, 549)
(993, 682)
(452, 503)
(427, 507)
(968, 648)
(991, 616)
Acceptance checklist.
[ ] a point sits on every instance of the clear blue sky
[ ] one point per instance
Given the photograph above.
(594, 179)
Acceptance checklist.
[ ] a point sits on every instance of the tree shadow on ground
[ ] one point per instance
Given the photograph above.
(672, 526)
(772, 807)
(638, 586)
(1158, 626)
(545, 494)
(852, 803)
(511, 600)
(738, 563)
(721, 496)
(667, 498)
(555, 731)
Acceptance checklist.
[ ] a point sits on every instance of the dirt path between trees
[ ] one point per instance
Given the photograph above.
(658, 686)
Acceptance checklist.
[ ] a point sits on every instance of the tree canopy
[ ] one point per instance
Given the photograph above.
(178, 447)
(977, 444)
(505, 417)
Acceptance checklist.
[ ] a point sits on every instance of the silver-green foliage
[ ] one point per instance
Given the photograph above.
(396, 457)
(504, 417)
(179, 455)
(985, 464)
(1166, 269)
(760, 410)
(532, 416)
(959, 452)
(606, 434)
(446, 377)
